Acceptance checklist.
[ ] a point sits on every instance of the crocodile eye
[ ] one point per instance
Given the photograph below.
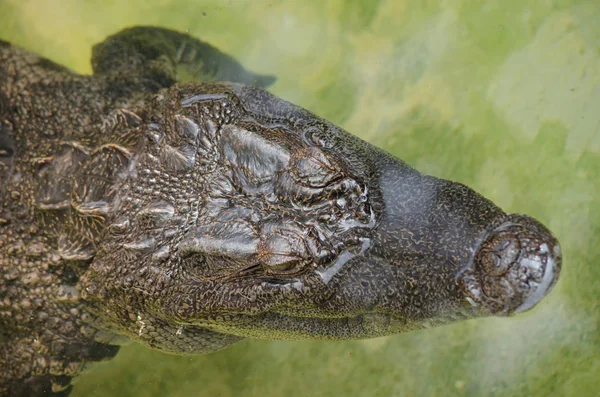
(285, 265)
(311, 167)
(282, 252)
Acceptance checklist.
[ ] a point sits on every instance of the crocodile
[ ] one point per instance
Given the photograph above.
(169, 199)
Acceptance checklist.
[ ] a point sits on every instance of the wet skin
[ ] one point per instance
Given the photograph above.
(187, 216)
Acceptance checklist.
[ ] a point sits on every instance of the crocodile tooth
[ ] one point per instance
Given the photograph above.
(159, 211)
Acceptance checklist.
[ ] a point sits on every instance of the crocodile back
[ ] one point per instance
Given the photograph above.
(63, 139)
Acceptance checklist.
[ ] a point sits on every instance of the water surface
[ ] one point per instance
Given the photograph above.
(504, 97)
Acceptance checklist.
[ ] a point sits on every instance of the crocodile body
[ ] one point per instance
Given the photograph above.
(188, 216)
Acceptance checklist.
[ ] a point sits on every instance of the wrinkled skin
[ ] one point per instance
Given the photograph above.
(188, 216)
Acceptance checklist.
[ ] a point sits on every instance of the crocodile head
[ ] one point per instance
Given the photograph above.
(249, 216)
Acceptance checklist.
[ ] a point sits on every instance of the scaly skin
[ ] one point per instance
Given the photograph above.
(188, 216)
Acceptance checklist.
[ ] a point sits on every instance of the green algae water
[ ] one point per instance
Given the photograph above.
(502, 96)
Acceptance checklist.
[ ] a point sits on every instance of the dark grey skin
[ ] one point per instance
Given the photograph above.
(189, 216)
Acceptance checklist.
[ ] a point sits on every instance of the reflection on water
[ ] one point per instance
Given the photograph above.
(501, 97)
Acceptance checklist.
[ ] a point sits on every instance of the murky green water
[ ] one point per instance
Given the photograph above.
(504, 97)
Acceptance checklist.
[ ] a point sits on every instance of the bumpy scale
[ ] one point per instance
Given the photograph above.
(189, 216)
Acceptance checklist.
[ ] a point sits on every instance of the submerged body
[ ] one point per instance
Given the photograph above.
(188, 216)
